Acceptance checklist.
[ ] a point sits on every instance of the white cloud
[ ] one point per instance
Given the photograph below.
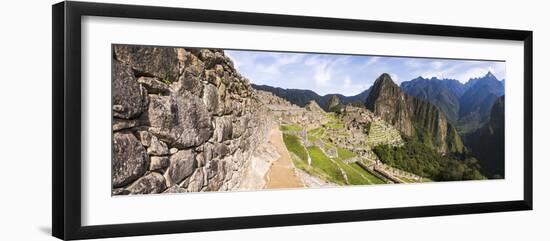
(413, 63)
(464, 71)
(278, 61)
(474, 73)
(323, 69)
(437, 64)
(372, 60)
(349, 75)
(347, 82)
(394, 77)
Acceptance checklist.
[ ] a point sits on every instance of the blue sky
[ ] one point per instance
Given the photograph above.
(349, 74)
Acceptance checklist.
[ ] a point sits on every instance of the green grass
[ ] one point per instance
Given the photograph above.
(321, 161)
(331, 116)
(354, 177)
(317, 132)
(290, 127)
(336, 125)
(345, 153)
(323, 166)
(311, 138)
(299, 163)
(294, 145)
(425, 179)
(372, 179)
(328, 146)
(408, 180)
(334, 121)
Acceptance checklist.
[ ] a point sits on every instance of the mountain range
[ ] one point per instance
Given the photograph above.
(301, 97)
(467, 106)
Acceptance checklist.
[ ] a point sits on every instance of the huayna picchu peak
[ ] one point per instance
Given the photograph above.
(414, 117)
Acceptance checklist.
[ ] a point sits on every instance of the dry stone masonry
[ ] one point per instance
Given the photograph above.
(184, 120)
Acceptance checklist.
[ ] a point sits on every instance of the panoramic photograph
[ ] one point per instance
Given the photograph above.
(211, 120)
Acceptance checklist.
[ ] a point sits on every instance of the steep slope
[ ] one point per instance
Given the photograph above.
(414, 117)
(487, 143)
(443, 93)
(302, 97)
(477, 101)
(314, 107)
(333, 104)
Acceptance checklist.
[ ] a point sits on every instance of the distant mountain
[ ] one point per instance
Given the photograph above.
(477, 101)
(414, 117)
(303, 97)
(334, 104)
(443, 93)
(313, 106)
(466, 106)
(487, 143)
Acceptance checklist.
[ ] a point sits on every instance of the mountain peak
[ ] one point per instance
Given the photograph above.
(333, 103)
(383, 80)
(313, 106)
(489, 75)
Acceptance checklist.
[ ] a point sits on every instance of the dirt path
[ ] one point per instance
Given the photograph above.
(281, 174)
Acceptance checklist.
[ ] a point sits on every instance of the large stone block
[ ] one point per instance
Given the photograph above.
(129, 97)
(130, 160)
(151, 183)
(182, 165)
(162, 63)
(182, 120)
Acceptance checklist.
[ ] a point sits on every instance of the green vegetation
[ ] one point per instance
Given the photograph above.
(299, 163)
(321, 161)
(311, 138)
(407, 180)
(166, 81)
(354, 177)
(357, 176)
(344, 153)
(333, 121)
(330, 169)
(290, 127)
(422, 160)
(372, 179)
(317, 132)
(294, 145)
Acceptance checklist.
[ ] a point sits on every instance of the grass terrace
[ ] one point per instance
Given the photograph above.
(345, 153)
(290, 127)
(325, 164)
(294, 145)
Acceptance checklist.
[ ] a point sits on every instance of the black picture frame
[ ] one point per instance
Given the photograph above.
(66, 122)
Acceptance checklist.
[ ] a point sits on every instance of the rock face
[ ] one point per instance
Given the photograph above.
(313, 106)
(333, 104)
(130, 160)
(129, 97)
(415, 118)
(443, 93)
(488, 142)
(184, 120)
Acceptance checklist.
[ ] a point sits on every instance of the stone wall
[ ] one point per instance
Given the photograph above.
(184, 120)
